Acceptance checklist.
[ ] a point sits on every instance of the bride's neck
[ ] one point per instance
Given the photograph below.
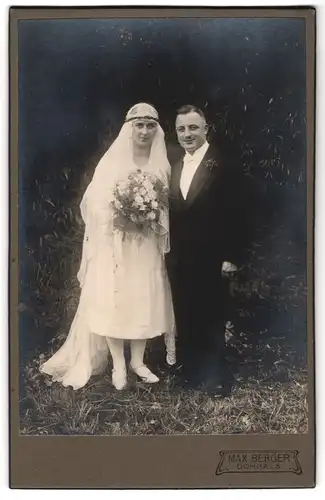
(141, 155)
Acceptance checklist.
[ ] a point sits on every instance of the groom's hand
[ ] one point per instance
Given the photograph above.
(227, 268)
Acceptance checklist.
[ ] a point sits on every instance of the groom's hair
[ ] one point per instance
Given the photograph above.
(190, 108)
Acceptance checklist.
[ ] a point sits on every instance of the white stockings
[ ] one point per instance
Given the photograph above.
(119, 378)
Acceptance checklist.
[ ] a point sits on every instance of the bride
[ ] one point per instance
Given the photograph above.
(125, 293)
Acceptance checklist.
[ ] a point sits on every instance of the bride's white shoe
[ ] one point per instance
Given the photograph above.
(145, 374)
(119, 379)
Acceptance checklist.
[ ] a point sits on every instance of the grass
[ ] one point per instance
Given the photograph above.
(273, 401)
(270, 389)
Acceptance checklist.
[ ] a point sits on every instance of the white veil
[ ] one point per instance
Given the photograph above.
(84, 353)
(115, 165)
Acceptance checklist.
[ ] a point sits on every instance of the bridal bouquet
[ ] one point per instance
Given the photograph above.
(138, 202)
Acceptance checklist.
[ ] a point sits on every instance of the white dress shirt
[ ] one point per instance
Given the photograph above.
(190, 166)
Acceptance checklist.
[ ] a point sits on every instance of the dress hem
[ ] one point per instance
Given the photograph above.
(143, 337)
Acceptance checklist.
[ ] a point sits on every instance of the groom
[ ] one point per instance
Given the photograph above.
(205, 233)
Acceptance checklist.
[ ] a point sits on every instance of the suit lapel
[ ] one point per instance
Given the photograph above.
(203, 175)
(175, 180)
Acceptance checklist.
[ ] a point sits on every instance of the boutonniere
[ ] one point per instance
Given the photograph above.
(211, 164)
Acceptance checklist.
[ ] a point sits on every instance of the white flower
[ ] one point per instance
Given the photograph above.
(147, 199)
(154, 204)
(133, 218)
(151, 216)
(138, 200)
(148, 185)
(142, 207)
(143, 191)
(152, 194)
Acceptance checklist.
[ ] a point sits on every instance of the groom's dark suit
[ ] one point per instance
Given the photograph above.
(205, 230)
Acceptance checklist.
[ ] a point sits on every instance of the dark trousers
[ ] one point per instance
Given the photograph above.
(198, 297)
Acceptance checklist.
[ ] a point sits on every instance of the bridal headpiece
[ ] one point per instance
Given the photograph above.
(142, 111)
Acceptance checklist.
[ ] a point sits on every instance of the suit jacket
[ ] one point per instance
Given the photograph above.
(208, 226)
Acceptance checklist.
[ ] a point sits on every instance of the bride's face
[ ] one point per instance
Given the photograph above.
(143, 132)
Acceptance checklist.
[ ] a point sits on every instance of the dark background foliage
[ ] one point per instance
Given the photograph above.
(77, 79)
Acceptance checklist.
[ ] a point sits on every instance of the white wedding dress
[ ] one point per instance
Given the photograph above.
(125, 287)
(125, 291)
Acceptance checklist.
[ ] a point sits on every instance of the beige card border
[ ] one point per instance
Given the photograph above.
(151, 461)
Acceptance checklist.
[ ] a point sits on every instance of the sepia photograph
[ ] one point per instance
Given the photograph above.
(162, 187)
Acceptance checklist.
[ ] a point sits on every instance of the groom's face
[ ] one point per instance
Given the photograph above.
(191, 129)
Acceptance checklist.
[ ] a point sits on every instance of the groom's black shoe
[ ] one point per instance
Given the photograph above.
(222, 391)
(184, 380)
(173, 370)
(218, 388)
